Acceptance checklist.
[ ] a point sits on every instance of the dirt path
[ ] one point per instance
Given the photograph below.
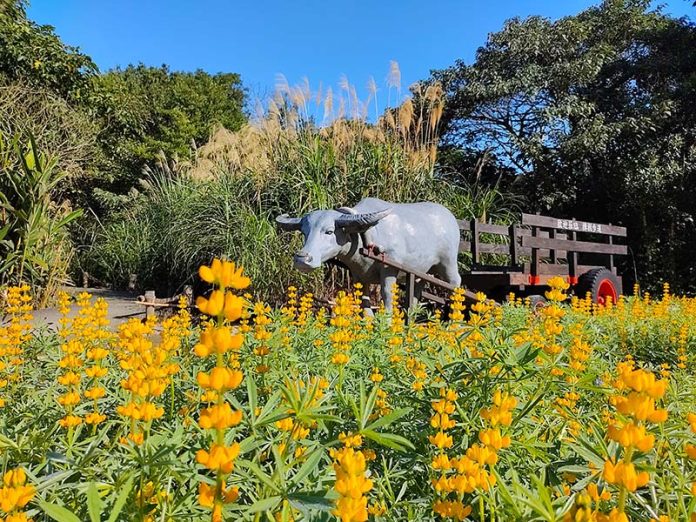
(122, 306)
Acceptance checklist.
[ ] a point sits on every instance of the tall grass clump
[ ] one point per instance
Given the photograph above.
(304, 150)
(34, 243)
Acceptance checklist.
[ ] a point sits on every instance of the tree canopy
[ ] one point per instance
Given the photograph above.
(148, 110)
(130, 115)
(595, 113)
(36, 56)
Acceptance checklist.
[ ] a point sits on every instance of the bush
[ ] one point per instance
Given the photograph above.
(34, 242)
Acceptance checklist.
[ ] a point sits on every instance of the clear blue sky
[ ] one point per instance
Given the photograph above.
(314, 38)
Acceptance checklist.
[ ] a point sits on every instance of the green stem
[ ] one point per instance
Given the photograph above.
(624, 492)
(171, 405)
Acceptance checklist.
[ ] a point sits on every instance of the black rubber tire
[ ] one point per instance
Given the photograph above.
(592, 282)
(537, 301)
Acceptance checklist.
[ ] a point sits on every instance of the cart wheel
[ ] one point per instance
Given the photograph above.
(537, 302)
(602, 285)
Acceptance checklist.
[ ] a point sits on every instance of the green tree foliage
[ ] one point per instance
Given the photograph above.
(34, 55)
(596, 114)
(138, 111)
(148, 110)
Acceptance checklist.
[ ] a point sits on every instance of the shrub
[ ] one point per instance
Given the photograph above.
(34, 243)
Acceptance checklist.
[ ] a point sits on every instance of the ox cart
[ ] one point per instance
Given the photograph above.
(522, 257)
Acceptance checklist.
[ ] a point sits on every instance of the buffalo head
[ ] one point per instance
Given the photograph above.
(327, 233)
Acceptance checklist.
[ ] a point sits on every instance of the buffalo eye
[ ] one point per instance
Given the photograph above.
(329, 232)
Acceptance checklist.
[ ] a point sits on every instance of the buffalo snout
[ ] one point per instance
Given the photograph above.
(304, 262)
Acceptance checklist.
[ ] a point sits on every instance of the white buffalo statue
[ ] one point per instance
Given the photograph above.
(423, 237)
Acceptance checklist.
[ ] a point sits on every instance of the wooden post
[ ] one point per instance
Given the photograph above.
(188, 294)
(534, 269)
(573, 260)
(410, 294)
(85, 279)
(150, 298)
(611, 256)
(474, 243)
(554, 254)
(514, 261)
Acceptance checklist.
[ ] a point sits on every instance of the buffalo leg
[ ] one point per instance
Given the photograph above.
(388, 278)
(451, 273)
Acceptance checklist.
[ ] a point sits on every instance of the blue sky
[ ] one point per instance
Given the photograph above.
(313, 38)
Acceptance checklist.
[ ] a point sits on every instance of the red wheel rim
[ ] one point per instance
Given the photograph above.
(606, 289)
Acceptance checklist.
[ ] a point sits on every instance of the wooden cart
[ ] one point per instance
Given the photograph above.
(522, 257)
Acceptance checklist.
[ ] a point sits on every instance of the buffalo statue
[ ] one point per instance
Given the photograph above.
(423, 237)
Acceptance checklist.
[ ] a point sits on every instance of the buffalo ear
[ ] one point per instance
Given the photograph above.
(361, 222)
(286, 222)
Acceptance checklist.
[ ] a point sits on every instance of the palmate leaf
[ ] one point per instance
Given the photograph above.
(310, 464)
(389, 440)
(317, 501)
(58, 513)
(3, 232)
(266, 504)
(388, 419)
(259, 474)
(121, 499)
(94, 503)
(505, 493)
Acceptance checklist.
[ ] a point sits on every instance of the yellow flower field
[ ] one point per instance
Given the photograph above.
(569, 412)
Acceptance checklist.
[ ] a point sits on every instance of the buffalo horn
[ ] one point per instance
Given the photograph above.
(288, 223)
(358, 222)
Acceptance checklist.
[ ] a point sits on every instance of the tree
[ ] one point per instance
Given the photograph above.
(595, 113)
(34, 55)
(148, 110)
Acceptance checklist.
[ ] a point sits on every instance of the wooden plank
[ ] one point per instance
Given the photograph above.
(573, 246)
(490, 228)
(540, 233)
(572, 225)
(504, 249)
(487, 228)
(512, 245)
(425, 277)
(547, 268)
(487, 281)
(611, 257)
(475, 257)
(496, 269)
(432, 297)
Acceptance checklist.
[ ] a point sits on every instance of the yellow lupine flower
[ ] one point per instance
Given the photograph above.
(625, 474)
(224, 274)
(219, 417)
(220, 379)
(219, 458)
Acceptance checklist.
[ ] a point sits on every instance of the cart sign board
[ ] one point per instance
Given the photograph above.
(580, 226)
(535, 220)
